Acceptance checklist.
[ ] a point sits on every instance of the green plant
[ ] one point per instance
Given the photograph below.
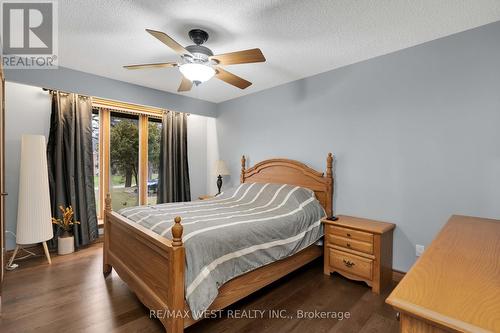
(124, 144)
(67, 222)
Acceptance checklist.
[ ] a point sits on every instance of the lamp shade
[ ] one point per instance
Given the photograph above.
(197, 72)
(34, 223)
(221, 168)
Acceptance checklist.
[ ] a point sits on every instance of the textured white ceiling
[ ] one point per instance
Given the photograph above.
(299, 38)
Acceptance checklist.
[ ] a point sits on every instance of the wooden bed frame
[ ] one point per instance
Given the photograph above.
(153, 266)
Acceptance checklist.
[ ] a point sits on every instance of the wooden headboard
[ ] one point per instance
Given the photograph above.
(285, 171)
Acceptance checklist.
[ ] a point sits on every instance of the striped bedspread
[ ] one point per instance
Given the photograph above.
(242, 229)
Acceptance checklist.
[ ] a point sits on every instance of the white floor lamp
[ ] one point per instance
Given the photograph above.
(34, 223)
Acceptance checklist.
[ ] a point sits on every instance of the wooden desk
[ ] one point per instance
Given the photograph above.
(455, 285)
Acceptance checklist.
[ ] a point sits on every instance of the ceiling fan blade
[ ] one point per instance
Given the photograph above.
(157, 65)
(232, 79)
(167, 40)
(240, 57)
(185, 85)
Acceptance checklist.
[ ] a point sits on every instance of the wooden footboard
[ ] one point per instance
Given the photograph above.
(151, 265)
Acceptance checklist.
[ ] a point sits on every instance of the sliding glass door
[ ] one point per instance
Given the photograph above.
(154, 136)
(124, 160)
(126, 148)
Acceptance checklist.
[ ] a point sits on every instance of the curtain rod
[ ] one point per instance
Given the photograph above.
(50, 91)
(103, 102)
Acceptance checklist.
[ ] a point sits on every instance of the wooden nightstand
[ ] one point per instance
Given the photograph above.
(359, 249)
(206, 197)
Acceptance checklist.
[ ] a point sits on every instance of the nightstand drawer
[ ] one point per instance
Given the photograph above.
(352, 264)
(351, 244)
(350, 233)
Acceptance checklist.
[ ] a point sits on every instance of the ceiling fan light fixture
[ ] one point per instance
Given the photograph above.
(199, 64)
(197, 72)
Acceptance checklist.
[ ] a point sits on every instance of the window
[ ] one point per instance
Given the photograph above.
(124, 160)
(126, 150)
(95, 150)
(154, 137)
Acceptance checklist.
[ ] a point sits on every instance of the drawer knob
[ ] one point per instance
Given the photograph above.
(348, 244)
(348, 235)
(348, 263)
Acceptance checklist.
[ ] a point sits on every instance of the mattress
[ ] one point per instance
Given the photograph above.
(244, 228)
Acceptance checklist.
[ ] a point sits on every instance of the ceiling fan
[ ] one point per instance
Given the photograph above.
(199, 64)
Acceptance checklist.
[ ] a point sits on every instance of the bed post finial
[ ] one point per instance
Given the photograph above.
(177, 232)
(107, 203)
(329, 165)
(243, 163)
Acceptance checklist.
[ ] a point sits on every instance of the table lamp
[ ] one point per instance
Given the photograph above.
(220, 170)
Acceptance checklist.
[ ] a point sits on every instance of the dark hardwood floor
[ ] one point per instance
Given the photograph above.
(71, 295)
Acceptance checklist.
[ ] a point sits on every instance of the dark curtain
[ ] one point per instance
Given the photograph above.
(173, 179)
(71, 163)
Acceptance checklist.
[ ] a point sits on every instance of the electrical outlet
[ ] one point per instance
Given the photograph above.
(419, 249)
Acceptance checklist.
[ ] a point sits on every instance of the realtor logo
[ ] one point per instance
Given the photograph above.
(29, 34)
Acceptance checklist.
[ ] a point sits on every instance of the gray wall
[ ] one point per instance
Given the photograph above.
(416, 133)
(28, 112)
(70, 80)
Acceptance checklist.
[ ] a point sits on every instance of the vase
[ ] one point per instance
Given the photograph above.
(65, 245)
